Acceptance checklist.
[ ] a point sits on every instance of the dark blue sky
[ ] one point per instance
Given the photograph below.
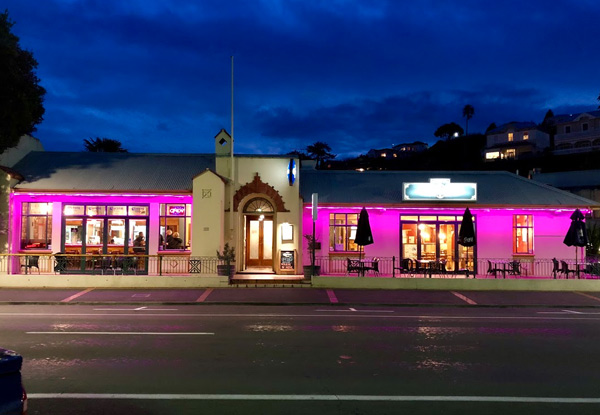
(156, 75)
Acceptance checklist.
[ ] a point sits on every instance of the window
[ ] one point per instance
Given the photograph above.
(526, 135)
(492, 155)
(567, 129)
(176, 217)
(523, 234)
(510, 136)
(36, 226)
(584, 127)
(342, 231)
(510, 153)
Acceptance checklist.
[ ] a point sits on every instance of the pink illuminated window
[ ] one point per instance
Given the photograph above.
(36, 226)
(176, 217)
(523, 234)
(342, 231)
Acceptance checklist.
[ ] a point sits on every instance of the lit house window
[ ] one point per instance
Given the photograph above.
(36, 226)
(342, 231)
(523, 234)
(383, 155)
(510, 153)
(510, 136)
(525, 135)
(492, 155)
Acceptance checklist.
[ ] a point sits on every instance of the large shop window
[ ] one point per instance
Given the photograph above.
(176, 218)
(98, 229)
(523, 234)
(427, 238)
(342, 231)
(36, 226)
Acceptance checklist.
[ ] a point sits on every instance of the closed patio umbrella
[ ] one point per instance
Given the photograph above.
(364, 236)
(466, 234)
(576, 235)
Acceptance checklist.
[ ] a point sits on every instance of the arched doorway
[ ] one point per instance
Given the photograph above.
(258, 213)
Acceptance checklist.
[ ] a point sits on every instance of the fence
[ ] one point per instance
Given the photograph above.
(108, 264)
(534, 268)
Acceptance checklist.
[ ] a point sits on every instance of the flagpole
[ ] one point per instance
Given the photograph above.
(232, 190)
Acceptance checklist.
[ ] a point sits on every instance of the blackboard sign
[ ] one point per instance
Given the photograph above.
(287, 260)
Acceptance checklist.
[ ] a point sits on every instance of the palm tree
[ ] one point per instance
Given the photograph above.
(468, 112)
(103, 145)
(598, 101)
(319, 151)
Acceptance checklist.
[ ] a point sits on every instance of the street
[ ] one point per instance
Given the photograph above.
(158, 359)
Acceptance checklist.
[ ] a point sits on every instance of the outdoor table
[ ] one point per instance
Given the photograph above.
(426, 266)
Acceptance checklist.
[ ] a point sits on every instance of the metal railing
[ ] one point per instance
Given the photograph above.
(108, 264)
(525, 268)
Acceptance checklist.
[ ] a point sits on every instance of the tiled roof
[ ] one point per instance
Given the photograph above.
(111, 171)
(513, 126)
(385, 187)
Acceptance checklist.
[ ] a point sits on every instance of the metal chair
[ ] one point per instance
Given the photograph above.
(566, 270)
(555, 267)
(492, 270)
(31, 261)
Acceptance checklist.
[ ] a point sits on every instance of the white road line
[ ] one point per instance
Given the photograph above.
(331, 295)
(270, 315)
(136, 309)
(353, 310)
(369, 398)
(129, 333)
(464, 298)
(74, 296)
(568, 312)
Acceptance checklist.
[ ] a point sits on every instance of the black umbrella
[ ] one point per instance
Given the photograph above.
(466, 234)
(577, 234)
(363, 231)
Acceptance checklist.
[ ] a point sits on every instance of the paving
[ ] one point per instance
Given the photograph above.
(300, 296)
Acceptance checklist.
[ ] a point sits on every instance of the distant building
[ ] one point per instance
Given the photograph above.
(515, 140)
(576, 132)
(398, 151)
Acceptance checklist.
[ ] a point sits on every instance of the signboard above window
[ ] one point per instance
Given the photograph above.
(440, 189)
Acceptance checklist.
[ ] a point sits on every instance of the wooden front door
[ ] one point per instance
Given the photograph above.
(259, 241)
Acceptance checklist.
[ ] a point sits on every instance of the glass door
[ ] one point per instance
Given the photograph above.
(116, 236)
(259, 241)
(447, 238)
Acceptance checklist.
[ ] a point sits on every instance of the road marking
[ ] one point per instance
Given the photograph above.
(567, 312)
(204, 295)
(331, 295)
(464, 298)
(587, 295)
(369, 398)
(74, 296)
(354, 310)
(273, 315)
(128, 333)
(135, 309)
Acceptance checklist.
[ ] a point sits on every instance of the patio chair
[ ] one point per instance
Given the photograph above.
(31, 261)
(566, 270)
(353, 265)
(514, 268)
(555, 267)
(492, 270)
(375, 266)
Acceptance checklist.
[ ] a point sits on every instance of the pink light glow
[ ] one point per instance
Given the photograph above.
(101, 197)
(450, 209)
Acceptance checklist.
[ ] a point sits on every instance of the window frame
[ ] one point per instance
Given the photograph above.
(185, 234)
(25, 217)
(518, 229)
(347, 226)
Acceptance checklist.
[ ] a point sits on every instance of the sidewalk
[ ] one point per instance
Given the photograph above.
(301, 296)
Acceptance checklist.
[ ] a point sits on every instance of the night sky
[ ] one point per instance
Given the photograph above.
(156, 75)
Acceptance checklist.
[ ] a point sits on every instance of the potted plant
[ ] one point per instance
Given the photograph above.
(313, 245)
(227, 256)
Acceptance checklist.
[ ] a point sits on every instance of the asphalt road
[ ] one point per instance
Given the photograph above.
(157, 359)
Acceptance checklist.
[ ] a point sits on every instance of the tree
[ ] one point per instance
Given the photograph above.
(21, 96)
(598, 101)
(448, 131)
(103, 145)
(549, 114)
(491, 127)
(468, 112)
(319, 151)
